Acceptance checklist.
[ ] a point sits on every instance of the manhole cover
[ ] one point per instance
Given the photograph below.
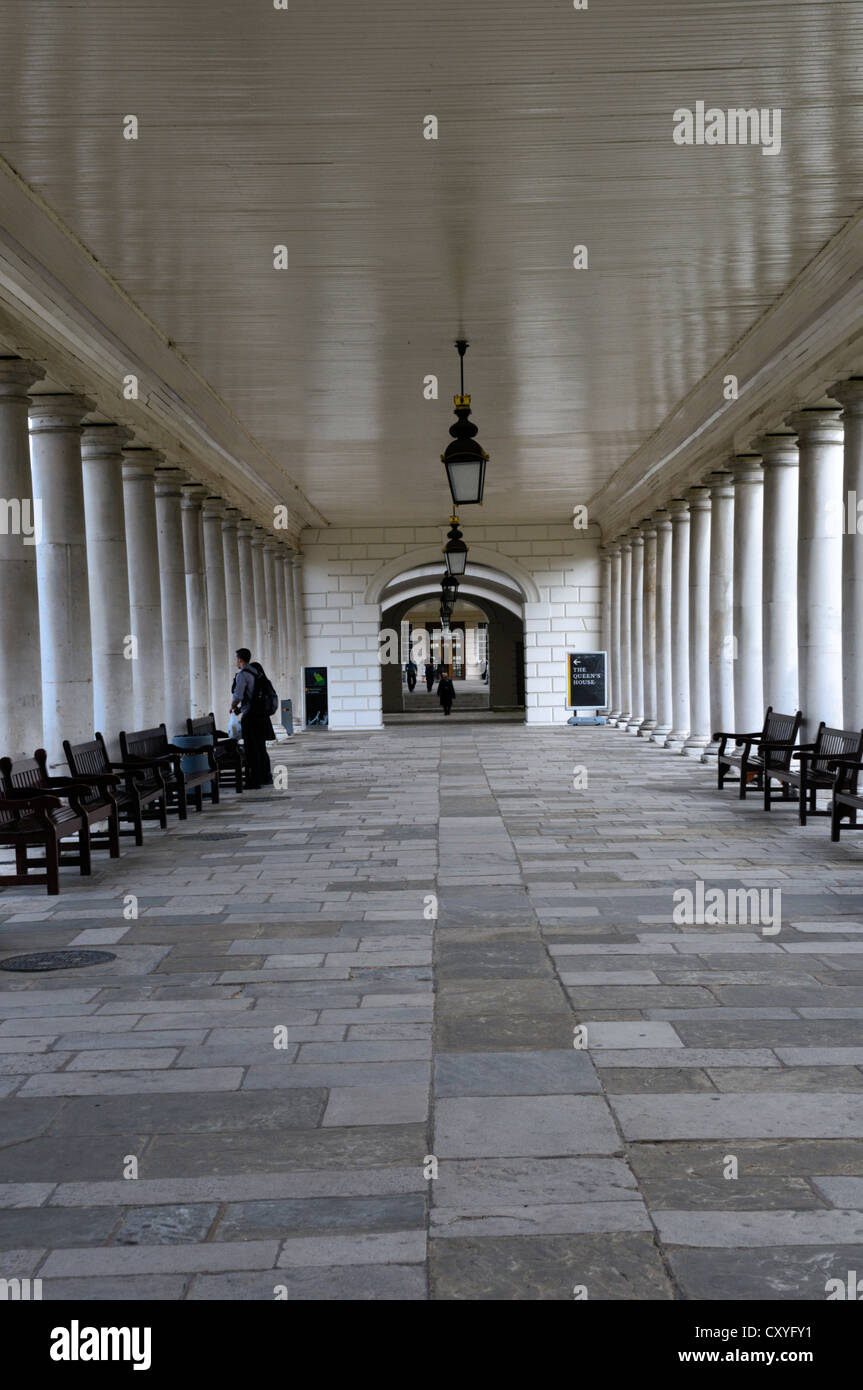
(217, 835)
(57, 960)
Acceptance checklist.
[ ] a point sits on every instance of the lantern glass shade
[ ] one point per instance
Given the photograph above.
(466, 475)
(455, 554)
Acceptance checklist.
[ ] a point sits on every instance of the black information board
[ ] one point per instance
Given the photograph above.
(585, 676)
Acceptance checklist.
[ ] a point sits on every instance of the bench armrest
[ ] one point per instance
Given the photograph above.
(16, 803)
(82, 785)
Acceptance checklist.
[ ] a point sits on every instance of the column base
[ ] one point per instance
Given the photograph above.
(612, 718)
(711, 753)
(660, 734)
(695, 745)
(634, 724)
(623, 719)
(676, 740)
(646, 728)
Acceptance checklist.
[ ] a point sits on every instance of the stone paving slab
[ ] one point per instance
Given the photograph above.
(263, 1042)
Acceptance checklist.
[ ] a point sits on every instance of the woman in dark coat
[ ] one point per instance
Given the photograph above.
(446, 693)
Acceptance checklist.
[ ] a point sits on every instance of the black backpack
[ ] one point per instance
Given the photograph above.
(264, 697)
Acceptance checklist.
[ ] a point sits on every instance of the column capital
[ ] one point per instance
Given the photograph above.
(104, 441)
(17, 375)
(661, 519)
(635, 537)
(647, 527)
(817, 425)
(698, 498)
(849, 394)
(612, 548)
(245, 526)
(140, 461)
(213, 506)
(746, 468)
(230, 518)
(169, 481)
(720, 482)
(624, 541)
(678, 510)
(259, 536)
(194, 495)
(55, 411)
(778, 450)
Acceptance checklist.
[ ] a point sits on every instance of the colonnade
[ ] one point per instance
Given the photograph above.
(746, 590)
(126, 586)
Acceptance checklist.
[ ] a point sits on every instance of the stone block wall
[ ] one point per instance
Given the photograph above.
(557, 567)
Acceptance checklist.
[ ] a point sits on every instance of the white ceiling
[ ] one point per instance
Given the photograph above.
(304, 127)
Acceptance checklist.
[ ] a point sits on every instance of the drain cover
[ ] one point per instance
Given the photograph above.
(57, 960)
(217, 835)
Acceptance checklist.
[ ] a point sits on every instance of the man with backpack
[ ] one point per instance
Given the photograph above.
(254, 700)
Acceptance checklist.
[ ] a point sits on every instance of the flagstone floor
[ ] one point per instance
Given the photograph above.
(296, 1081)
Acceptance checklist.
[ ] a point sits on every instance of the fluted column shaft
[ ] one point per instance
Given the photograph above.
(636, 632)
(850, 393)
(245, 530)
(300, 629)
(614, 630)
(648, 724)
(145, 591)
(194, 496)
(625, 634)
(176, 702)
(721, 606)
(605, 618)
(61, 563)
(819, 567)
(679, 512)
(261, 652)
(779, 583)
(748, 540)
(233, 594)
(699, 622)
(108, 574)
(217, 617)
(664, 682)
(272, 615)
(20, 652)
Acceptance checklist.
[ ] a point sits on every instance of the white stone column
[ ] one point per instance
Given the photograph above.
(605, 618)
(61, 564)
(625, 632)
(636, 632)
(648, 724)
(233, 594)
(145, 592)
(279, 561)
(679, 512)
(221, 665)
(850, 393)
(664, 683)
(245, 529)
(273, 637)
(300, 628)
(261, 652)
(779, 574)
(176, 701)
(294, 620)
(614, 634)
(20, 652)
(108, 574)
(194, 496)
(819, 567)
(748, 539)
(699, 622)
(721, 606)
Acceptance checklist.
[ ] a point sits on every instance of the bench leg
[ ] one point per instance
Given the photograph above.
(743, 777)
(198, 799)
(84, 849)
(137, 818)
(114, 834)
(21, 860)
(52, 865)
(767, 784)
(214, 789)
(834, 821)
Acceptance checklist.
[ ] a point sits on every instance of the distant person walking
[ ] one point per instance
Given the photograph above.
(446, 693)
(429, 673)
(250, 696)
(411, 672)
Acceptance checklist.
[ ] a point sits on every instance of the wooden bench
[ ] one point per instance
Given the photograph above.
(817, 769)
(230, 758)
(32, 812)
(847, 800)
(151, 749)
(777, 729)
(133, 791)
